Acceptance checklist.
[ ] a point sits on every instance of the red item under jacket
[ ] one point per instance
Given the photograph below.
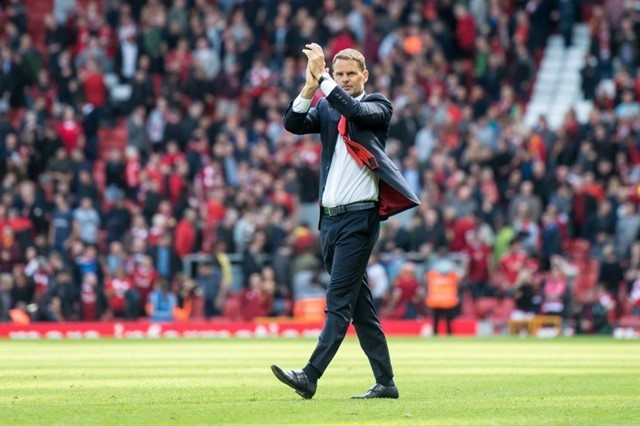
(357, 151)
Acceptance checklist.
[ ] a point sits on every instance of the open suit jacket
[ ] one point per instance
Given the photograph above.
(368, 124)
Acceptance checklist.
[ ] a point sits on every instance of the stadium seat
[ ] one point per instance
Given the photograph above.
(541, 321)
(630, 321)
(485, 306)
(232, 307)
(468, 307)
(502, 310)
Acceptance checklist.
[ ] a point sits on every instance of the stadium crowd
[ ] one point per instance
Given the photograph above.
(210, 206)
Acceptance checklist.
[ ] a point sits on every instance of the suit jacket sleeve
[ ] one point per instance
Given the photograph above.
(375, 111)
(301, 123)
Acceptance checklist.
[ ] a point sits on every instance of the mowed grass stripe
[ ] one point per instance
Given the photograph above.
(442, 381)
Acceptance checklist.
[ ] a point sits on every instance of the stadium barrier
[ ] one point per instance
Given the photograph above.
(133, 330)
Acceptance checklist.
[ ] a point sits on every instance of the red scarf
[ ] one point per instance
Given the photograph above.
(357, 151)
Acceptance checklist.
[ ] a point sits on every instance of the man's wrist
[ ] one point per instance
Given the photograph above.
(322, 77)
(308, 91)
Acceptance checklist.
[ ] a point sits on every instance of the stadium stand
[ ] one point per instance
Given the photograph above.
(146, 137)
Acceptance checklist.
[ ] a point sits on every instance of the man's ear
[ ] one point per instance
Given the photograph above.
(366, 75)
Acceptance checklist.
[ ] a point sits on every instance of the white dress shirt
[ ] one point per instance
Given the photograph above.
(347, 182)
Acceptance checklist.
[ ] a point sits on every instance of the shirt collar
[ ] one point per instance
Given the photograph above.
(360, 96)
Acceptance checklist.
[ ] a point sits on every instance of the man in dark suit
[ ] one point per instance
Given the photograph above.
(359, 186)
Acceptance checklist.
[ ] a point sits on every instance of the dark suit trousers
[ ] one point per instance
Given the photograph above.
(347, 242)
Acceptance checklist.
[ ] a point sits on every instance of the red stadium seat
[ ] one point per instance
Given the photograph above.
(502, 310)
(485, 306)
(232, 309)
(630, 321)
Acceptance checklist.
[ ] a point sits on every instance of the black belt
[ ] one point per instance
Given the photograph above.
(353, 207)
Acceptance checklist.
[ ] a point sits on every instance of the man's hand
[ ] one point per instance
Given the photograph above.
(311, 83)
(315, 55)
(315, 67)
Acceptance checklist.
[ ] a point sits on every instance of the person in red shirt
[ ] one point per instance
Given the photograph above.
(459, 230)
(89, 297)
(123, 298)
(478, 258)
(257, 300)
(513, 261)
(69, 130)
(93, 85)
(153, 170)
(180, 59)
(10, 250)
(173, 156)
(281, 198)
(185, 236)
(405, 296)
(144, 278)
(177, 181)
(465, 30)
(215, 208)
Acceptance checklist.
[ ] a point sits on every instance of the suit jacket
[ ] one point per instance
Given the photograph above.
(368, 124)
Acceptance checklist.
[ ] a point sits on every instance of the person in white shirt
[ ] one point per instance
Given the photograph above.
(359, 187)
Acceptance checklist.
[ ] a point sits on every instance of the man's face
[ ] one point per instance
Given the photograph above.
(349, 76)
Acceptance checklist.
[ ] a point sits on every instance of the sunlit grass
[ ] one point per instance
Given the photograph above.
(441, 381)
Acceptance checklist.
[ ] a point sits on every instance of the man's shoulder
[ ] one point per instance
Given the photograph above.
(375, 96)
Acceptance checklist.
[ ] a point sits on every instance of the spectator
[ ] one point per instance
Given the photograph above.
(554, 292)
(514, 261)
(253, 258)
(165, 259)
(378, 280)
(209, 281)
(123, 299)
(526, 296)
(478, 264)
(257, 298)
(65, 291)
(61, 225)
(185, 234)
(144, 277)
(627, 228)
(611, 273)
(136, 132)
(443, 281)
(10, 250)
(161, 303)
(86, 221)
(406, 300)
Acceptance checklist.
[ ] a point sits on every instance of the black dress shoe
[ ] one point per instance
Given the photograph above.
(379, 391)
(298, 380)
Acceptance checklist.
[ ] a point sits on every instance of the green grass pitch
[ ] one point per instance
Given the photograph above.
(442, 381)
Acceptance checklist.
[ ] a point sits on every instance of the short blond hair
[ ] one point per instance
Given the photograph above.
(353, 55)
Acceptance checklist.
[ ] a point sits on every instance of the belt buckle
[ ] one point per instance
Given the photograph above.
(335, 211)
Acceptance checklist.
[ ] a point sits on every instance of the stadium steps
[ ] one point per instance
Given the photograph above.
(557, 85)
